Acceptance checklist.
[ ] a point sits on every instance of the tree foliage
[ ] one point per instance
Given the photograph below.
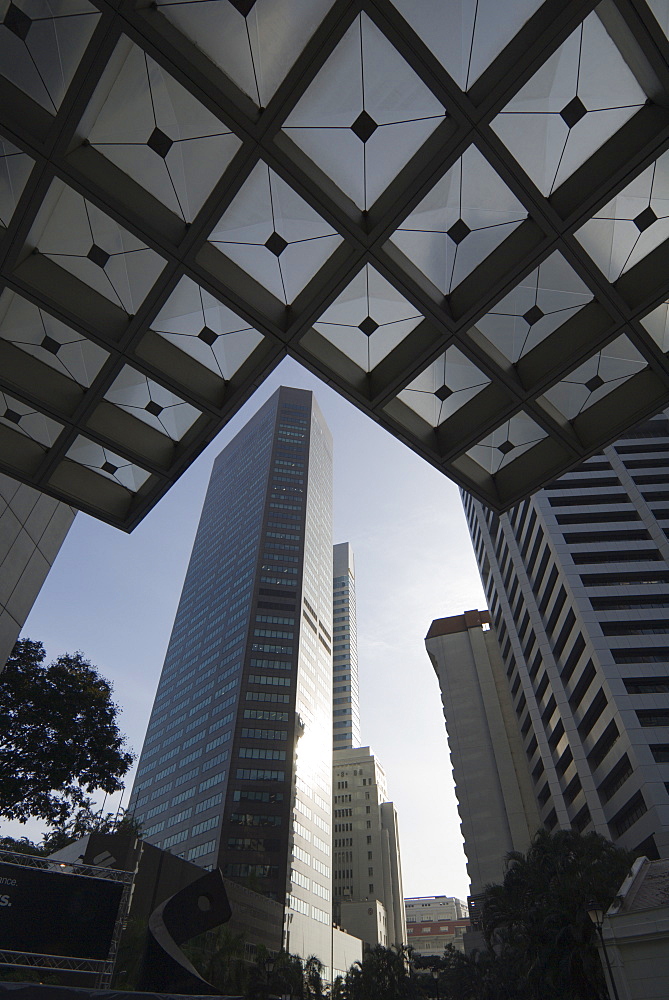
(479, 976)
(20, 845)
(86, 820)
(383, 974)
(81, 823)
(59, 740)
(218, 955)
(536, 921)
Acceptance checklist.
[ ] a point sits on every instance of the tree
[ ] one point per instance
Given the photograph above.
(59, 740)
(289, 974)
(313, 979)
(83, 822)
(21, 845)
(218, 955)
(537, 919)
(383, 974)
(480, 976)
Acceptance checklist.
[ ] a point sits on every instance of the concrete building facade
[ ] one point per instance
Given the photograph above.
(635, 932)
(493, 784)
(577, 580)
(430, 938)
(345, 701)
(433, 909)
(367, 870)
(236, 765)
(434, 922)
(33, 527)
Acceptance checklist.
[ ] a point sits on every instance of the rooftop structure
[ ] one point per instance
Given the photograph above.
(463, 231)
(636, 932)
(432, 909)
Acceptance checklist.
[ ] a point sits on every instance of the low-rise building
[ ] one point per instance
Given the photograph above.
(636, 933)
(421, 909)
(434, 922)
(432, 936)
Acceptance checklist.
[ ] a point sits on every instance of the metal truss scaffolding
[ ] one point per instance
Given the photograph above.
(68, 963)
(455, 214)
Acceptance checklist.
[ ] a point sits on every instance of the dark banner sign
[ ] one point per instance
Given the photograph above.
(51, 912)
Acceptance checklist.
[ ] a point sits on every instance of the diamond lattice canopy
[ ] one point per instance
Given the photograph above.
(457, 214)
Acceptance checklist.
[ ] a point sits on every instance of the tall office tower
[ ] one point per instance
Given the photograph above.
(236, 765)
(345, 703)
(577, 580)
(367, 871)
(493, 785)
(33, 527)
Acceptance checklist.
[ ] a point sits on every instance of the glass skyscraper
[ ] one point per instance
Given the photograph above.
(236, 766)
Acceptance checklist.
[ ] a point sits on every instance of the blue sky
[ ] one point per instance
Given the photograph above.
(114, 596)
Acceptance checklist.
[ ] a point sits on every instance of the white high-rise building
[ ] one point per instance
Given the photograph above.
(577, 580)
(367, 869)
(345, 702)
(496, 801)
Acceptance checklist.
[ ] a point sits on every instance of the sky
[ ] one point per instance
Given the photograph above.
(114, 596)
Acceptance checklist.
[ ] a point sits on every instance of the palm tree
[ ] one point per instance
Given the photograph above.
(537, 918)
(221, 960)
(313, 979)
(383, 974)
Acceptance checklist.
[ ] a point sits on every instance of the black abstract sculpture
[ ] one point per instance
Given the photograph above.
(198, 907)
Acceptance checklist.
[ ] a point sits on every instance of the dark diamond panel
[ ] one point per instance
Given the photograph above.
(50, 345)
(572, 113)
(159, 143)
(108, 467)
(243, 6)
(459, 231)
(208, 336)
(98, 255)
(443, 393)
(645, 219)
(17, 22)
(12, 415)
(533, 315)
(153, 408)
(596, 382)
(276, 244)
(505, 447)
(368, 326)
(364, 126)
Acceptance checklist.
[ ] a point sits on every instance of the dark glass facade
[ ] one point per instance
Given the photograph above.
(236, 767)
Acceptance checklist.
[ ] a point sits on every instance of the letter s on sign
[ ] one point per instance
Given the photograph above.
(5, 901)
